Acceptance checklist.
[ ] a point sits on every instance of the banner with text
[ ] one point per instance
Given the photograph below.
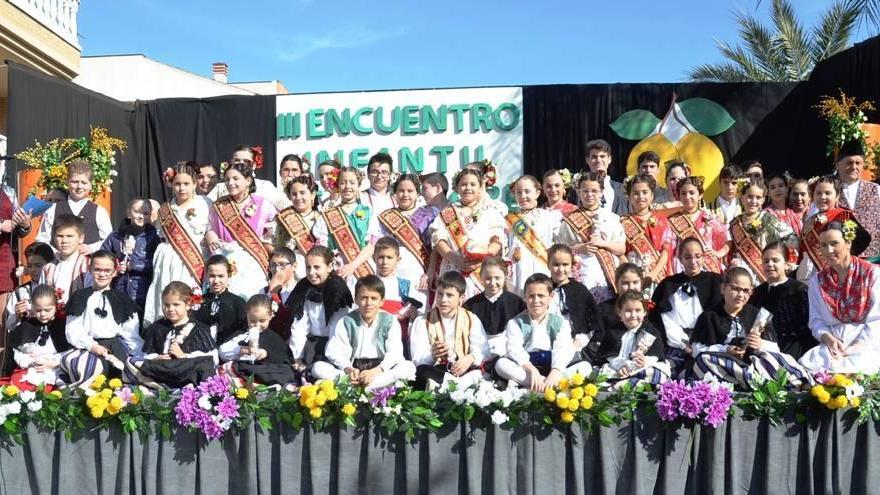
(423, 130)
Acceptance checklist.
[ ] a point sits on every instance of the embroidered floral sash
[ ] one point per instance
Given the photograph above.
(297, 229)
(637, 238)
(527, 235)
(181, 242)
(459, 237)
(343, 236)
(582, 224)
(684, 227)
(399, 226)
(231, 217)
(747, 248)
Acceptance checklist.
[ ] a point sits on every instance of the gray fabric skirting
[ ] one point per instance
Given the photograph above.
(833, 455)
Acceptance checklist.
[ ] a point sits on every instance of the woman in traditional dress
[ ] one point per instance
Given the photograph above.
(468, 231)
(405, 225)
(182, 224)
(799, 199)
(695, 221)
(350, 229)
(529, 233)
(294, 224)
(328, 174)
(596, 237)
(844, 305)
(825, 192)
(777, 189)
(649, 239)
(242, 229)
(754, 229)
(554, 186)
(675, 173)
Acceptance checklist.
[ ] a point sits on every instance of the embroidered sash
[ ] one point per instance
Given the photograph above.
(337, 226)
(399, 226)
(181, 242)
(527, 235)
(810, 241)
(582, 224)
(456, 231)
(297, 229)
(684, 227)
(747, 248)
(437, 333)
(230, 215)
(637, 237)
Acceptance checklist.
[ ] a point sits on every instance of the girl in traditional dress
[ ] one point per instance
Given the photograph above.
(777, 189)
(554, 186)
(178, 350)
(317, 303)
(36, 343)
(242, 229)
(695, 221)
(182, 224)
(221, 311)
(799, 199)
(754, 229)
(328, 174)
(735, 341)
(675, 172)
(627, 276)
(844, 306)
(596, 237)
(530, 232)
(468, 231)
(294, 224)
(350, 229)
(405, 223)
(649, 239)
(825, 192)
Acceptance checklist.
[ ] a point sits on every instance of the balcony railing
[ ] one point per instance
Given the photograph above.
(57, 15)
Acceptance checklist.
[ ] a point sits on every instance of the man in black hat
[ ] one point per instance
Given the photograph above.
(861, 196)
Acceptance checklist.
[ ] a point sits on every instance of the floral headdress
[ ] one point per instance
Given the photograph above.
(566, 176)
(627, 181)
(197, 299)
(490, 174)
(258, 156)
(332, 180)
(742, 184)
(849, 230)
(845, 118)
(169, 175)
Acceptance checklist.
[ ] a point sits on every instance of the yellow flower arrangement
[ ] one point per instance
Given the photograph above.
(11, 391)
(550, 395)
(242, 394)
(316, 397)
(315, 412)
(572, 395)
(349, 409)
(99, 382)
(115, 383)
(566, 417)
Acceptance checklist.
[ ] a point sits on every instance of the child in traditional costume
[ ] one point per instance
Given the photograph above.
(178, 350)
(649, 239)
(468, 231)
(554, 186)
(37, 343)
(627, 276)
(844, 306)
(350, 229)
(754, 229)
(69, 272)
(38, 255)
(379, 172)
(726, 206)
(134, 245)
(632, 351)
(182, 224)
(316, 305)
(530, 231)
(571, 299)
(735, 342)
(401, 299)
(777, 190)
(406, 224)
(282, 281)
(102, 327)
(539, 345)
(243, 229)
(294, 224)
(366, 344)
(496, 305)
(695, 222)
(596, 237)
(221, 311)
(787, 300)
(260, 353)
(448, 344)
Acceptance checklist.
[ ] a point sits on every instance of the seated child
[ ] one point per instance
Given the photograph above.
(260, 353)
(627, 276)
(787, 300)
(735, 341)
(95, 220)
(571, 299)
(317, 304)
(37, 255)
(632, 351)
(102, 326)
(134, 244)
(282, 280)
(178, 351)
(449, 343)
(495, 306)
(68, 273)
(366, 344)
(221, 311)
(539, 346)
(679, 299)
(37, 343)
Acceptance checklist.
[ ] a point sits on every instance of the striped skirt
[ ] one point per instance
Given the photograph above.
(81, 366)
(654, 375)
(740, 372)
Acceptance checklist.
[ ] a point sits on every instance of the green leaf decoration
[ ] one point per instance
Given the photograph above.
(635, 124)
(706, 116)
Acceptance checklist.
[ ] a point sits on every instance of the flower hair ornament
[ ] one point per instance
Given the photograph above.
(332, 180)
(169, 175)
(565, 174)
(223, 166)
(197, 299)
(849, 230)
(258, 156)
(742, 184)
(490, 174)
(233, 268)
(627, 181)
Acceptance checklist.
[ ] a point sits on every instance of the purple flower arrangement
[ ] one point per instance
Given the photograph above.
(706, 402)
(381, 396)
(211, 407)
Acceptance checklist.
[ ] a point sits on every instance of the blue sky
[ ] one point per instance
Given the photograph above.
(351, 45)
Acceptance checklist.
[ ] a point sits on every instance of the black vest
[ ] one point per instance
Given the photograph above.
(88, 215)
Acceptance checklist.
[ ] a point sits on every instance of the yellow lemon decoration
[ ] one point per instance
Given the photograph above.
(680, 136)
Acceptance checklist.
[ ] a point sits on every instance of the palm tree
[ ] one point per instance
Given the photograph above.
(786, 51)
